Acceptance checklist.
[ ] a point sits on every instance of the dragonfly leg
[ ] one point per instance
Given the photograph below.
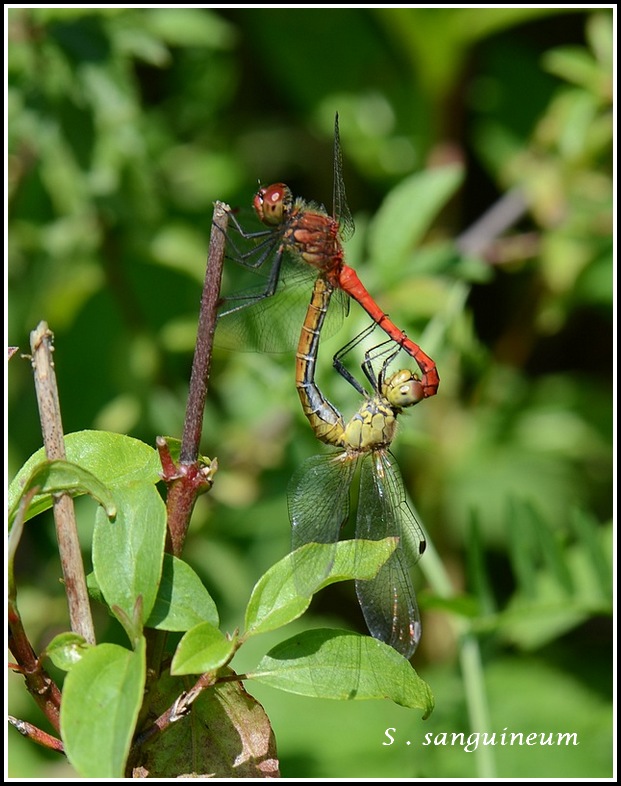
(270, 289)
(372, 355)
(390, 348)
(261, 250)
(247, 235)
(337, 360)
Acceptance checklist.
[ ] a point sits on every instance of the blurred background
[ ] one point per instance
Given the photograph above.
(125, 125)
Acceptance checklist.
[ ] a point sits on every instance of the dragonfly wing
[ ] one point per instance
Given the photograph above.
(318, 498)
(250, 321)
(388, 601)
(339, 199)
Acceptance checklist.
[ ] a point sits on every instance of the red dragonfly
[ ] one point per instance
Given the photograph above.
(305, 232)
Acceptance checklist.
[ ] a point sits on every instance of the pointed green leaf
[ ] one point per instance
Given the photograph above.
(285, 591)
(531, 621)
(478, 575)
(576, 65)
(53, 477)
(128, 552)
(66, 649)
(521, 546)
(335, 664)
(406, 215)
(114, 460)
(601, 39)
(594, 539)
(204, 648)
(102, 695)
(182, 600)
(552, 549)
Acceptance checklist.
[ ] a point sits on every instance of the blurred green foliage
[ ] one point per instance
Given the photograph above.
(126, 124)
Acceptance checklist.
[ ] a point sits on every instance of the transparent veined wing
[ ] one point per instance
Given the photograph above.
(339, 199)
(250, 321)
(388, 601)
(318, 499)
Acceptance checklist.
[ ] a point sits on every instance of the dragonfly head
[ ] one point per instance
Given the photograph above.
(403, 389)
(272, 204)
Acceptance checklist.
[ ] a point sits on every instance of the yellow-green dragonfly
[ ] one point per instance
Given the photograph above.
(319, 491)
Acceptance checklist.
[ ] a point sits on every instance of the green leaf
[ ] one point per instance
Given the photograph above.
(461, 605)
(575, 64)
(438, 39)
(334, 664)
(182, 600)
(128, 552)
(113, 460)
(595, 542)
(521, 545)
(285, 591)
(532, 620)
(190, 27)
(478, 576)
(53, 477)
(599, 33)
(66, 649)
(204, 648)
(102, 695)
(405, 216)
(552, 549)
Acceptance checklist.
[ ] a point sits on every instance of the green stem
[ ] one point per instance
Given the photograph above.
(469, 659)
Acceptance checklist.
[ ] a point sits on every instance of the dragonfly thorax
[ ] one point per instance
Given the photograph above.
(272, 204)
(372, 427)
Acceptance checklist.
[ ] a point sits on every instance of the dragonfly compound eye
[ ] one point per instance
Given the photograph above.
(272, 203)
(403, 389)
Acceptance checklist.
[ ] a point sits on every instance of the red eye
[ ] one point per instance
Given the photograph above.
(271, 203)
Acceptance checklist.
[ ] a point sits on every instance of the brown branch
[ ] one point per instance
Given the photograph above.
(178, 709)
(64, 514)
(36, 735)
(199, 380)
(39, 684)
(191, 477)
(504, 213)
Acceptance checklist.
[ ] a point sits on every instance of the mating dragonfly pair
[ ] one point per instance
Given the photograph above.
(303, 243)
